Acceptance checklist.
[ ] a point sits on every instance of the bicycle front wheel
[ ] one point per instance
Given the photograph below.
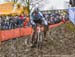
(40, 39)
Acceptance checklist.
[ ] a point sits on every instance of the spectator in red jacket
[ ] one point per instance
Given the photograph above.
(26, 21)
(21, 17)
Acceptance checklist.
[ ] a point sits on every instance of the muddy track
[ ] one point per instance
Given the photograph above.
(60, 43)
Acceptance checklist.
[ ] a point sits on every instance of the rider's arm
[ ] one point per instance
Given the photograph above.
(43, 18)
(32, 11)
(41, 14)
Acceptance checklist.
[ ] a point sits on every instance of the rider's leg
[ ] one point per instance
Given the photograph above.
(45, 30)
(45, 27)
(33, 35)
(34, 28)
(33, 24)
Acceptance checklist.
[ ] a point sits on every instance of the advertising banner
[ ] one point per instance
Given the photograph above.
(72, 14)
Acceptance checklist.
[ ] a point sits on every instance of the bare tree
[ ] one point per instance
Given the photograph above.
(23, 3)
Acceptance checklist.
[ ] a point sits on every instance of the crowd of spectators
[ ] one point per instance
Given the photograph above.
(11, 22)
(55, 18)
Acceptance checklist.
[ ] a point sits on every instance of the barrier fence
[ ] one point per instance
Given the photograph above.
(18, 32)
(14, 33)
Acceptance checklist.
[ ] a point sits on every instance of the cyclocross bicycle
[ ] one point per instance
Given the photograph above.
(38, 35)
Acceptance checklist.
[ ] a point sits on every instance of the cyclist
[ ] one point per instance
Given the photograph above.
(35, 17)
